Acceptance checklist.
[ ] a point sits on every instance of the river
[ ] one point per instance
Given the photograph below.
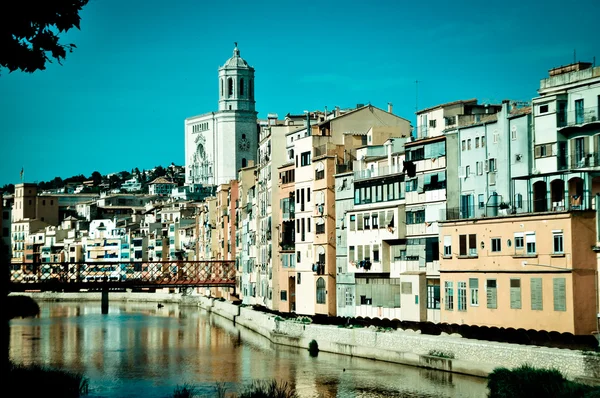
(138, 349)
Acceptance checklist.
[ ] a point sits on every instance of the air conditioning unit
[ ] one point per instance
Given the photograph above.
(518, 157)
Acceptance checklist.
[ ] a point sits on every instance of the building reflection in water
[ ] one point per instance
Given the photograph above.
(139, 349)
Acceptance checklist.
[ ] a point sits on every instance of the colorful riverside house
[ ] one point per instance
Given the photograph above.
(529, 270)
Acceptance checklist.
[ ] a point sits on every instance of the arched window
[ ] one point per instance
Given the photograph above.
(243, 136)
(241, 87)
(321, 291)
(230, 87)
(244, 162)
(221, 87)
(251, 90)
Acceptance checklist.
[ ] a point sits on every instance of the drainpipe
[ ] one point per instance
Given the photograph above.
(507, 134)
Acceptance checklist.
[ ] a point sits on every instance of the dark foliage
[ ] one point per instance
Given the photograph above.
(269, 389)
(29, 32)
(47, 382)
(527, 382)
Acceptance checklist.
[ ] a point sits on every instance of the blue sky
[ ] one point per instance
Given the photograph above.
(141, 67)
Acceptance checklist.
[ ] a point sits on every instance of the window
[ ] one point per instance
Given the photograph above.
(530, 242)
(496, 245)
(298, 274)
(244, 162)
(462, 295)
(449, 296)
(491, 293)
(321, 291)
(544, 108)
(496, 137)
(476, 142)
(557, 242)
(492, 164)
(353, 222)
(351, 253)
(481, 201)
(463, 145)
(283, 295)
(469, 144)
(305, 158)
(513, 133)
(432, 123)
(560, 294)
(519, 241)
(447, 246)
(474, 287)
(375, 221)
(366, 221)
(241, 87)
(543, 150)
(467, 171)
(230, 87)
(479, 168)
(433, 294)
(482, 141)
(536, 294)
(376, 253)
(515, 293)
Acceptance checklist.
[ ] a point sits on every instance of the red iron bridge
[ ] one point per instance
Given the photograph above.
(94, 276)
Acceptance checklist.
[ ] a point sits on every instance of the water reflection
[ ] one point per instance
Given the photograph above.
(139, 349)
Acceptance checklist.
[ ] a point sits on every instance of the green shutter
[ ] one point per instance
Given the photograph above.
(360, 253)
(537, 299)
(491, 294)
(515, 293)
(560, 294)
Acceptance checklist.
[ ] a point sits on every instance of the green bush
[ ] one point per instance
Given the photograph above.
(38, 381)
(313, 348)
(527, 381)
(269, 389)
(184, 391)
(441, 354)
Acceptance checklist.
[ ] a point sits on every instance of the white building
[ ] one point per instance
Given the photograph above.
(217, 144)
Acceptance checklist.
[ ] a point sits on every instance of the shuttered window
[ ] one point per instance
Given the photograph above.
(491, 293)
(462, 244)
(515, 294)
(382, 221)
(449, 296)
(560, 294)
(359, 222)
(351, 253)
(474, 287)
(360, 253)
(536, 294)
(353, 222)
(447, 245)
(367, 252)
(406, 287)
(461, 288)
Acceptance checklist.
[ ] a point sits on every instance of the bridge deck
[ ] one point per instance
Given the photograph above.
(94, 275)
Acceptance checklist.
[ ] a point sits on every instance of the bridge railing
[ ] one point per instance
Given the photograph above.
(142, 272)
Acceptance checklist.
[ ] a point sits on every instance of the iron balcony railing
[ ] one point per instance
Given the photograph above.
(557, 204)
(578, 161)
(578, 116)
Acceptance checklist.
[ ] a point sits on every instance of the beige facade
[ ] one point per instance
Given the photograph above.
(286, 261)
(28, 205)
(534, 271)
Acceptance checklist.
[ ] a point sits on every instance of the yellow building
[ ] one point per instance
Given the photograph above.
(536, 271)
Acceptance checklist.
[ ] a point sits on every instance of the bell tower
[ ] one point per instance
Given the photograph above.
(236, 84)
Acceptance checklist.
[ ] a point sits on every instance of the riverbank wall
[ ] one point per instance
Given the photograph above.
(447, 353)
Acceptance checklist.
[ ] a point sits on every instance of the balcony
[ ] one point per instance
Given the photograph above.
(542, 205)
(323, 150)
(379, 172)
(578, 117)
(578, 161)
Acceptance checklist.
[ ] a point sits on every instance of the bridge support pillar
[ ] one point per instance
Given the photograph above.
(105, 300)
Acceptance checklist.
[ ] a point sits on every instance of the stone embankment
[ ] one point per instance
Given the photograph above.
(450, 353)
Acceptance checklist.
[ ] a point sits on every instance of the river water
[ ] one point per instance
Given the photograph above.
(140, 350)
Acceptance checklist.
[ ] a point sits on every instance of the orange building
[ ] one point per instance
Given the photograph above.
(536, 271)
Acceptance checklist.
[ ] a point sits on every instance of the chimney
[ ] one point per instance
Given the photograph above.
(325, 113)
(337, 111)
(390, 107)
